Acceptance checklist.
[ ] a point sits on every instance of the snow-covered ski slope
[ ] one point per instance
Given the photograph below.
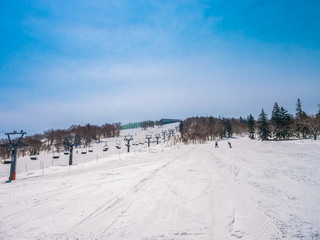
(254, 190)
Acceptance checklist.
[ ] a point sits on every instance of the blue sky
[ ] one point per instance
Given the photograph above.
(77, 62)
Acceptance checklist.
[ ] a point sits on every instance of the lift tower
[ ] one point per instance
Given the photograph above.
(128, 139)
(148, 137)
(164, 133)
(70, 142)
(14, 144)
(157, 136)
(171, 132)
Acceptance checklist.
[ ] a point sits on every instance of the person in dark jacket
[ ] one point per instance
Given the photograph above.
(216, 144)
(229, 144)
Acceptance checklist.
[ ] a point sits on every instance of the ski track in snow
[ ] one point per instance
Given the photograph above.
(256, 190)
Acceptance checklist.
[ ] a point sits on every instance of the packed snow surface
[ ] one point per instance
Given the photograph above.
(254, 190)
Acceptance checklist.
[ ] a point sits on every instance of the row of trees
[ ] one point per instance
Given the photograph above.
(86, 133)
(149, 123)
(53, 139)
(201, 129)
(283, 125)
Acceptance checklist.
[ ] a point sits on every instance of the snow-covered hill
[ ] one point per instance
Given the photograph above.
(254, 190)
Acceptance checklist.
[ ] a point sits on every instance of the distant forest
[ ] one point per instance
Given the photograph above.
(281, 126)
(53, 139)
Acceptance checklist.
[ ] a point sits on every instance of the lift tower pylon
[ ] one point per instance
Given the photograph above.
(14, 144)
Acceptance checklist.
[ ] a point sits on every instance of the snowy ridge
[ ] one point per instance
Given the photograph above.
(255, 190)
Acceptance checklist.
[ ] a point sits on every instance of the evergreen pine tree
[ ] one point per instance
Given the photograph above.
(285, 123)
(300, 117)
(263, 126)
(228, 127)
(276, 121)
(251, 126)
(299, 111)
(223, 129)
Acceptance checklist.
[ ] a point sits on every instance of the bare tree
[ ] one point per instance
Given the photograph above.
(312, 123)
(147, 124)
(59, 139)
(4, 152)
(49, 136)
(34, 143)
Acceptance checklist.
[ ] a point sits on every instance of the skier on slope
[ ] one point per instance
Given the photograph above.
(229, 144)
(216, 144)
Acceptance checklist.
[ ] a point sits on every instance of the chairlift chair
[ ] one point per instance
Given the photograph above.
(118, 144)
(66, 152)
(56, 154)
(105, 147)
(6, 161)
(83, 150)
(90, 149)
(33, 155)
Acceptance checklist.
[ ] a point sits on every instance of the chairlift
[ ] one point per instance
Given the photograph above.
(135, 142)
(6, 161)
(142, 141)
(118, 144)
(105, 147)
(90, 149)
(56, 154)
(83, 150)
(66, 152)
(33, 155)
